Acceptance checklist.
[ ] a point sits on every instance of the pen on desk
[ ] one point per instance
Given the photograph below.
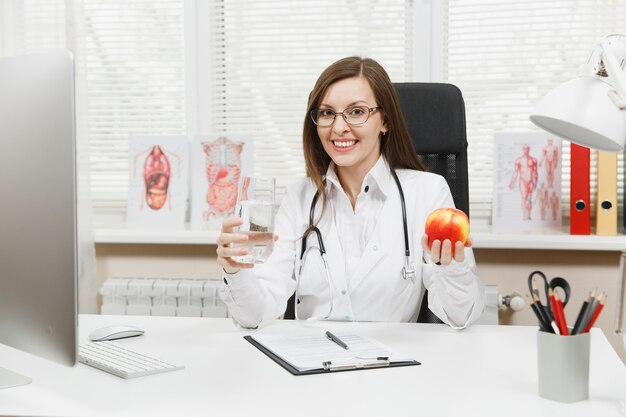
(336, 340)
(596, 312)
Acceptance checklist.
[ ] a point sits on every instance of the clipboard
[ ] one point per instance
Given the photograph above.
(328, 366)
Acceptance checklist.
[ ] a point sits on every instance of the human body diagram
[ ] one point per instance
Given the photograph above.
(550, 160)
(157, 168)
(525, 173)
(541, 198)
(538, 181)
(223, 170)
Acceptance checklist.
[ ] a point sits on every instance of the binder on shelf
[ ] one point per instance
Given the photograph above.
(606, 213)
(311, 352)
(580, 211)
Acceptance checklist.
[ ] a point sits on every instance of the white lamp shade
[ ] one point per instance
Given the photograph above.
(581, 111)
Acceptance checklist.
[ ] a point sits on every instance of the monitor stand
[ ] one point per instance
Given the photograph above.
(9, 379)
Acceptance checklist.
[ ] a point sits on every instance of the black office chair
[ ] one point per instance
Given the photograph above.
(435, 116)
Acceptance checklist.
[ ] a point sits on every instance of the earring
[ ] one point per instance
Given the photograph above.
(384, 132)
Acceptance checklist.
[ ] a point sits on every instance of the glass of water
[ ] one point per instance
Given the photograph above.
(255, 205)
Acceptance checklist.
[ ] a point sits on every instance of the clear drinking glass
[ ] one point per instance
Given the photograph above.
(255, 205)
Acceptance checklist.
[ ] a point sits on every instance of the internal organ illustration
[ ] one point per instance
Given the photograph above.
(156, 176)
(223, 169)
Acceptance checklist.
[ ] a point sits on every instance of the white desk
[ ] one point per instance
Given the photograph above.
(480, 371)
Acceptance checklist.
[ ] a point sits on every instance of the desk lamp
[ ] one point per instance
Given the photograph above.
(591, 111)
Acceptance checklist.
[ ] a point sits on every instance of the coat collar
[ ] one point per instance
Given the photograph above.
(378, 178)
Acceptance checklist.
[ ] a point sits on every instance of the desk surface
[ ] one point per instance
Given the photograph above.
(480, 371)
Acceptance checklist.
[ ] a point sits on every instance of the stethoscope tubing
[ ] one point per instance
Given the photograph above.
(312, 228)
(407, 270)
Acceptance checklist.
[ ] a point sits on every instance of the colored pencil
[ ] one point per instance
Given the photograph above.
(537, 298)
(596, 313)
(581, 314)
(542, 323)
(551, 325)
(559, 306)
(592, 307)
(555, 310)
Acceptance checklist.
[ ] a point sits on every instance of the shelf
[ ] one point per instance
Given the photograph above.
(118, 233)
(547, 241)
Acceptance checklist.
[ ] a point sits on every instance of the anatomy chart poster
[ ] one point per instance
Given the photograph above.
(158, 186)
(218, 162)
(527, 182)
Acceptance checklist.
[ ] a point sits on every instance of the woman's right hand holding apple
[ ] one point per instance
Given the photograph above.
(225, 251)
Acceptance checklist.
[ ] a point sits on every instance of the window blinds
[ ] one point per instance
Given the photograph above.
(264, 58)
(268, 54)
(505, 55)
(134, 71)
(131, 57)
(33, 26)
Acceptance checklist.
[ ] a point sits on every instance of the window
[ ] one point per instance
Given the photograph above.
(505, 55)
(161, 67)
(130, 64)
(134, 74)
(268, 54)
(176, 67)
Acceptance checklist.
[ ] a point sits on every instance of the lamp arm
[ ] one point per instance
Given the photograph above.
(614, 69)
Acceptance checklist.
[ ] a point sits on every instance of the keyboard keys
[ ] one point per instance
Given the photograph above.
(122, 362)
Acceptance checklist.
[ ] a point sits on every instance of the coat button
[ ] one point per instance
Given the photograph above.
(343, 292)
(375, 247)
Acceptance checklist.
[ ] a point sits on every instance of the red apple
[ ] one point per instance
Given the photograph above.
(447, 223)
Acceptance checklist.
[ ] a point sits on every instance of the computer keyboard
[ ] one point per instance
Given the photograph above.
(119, 361)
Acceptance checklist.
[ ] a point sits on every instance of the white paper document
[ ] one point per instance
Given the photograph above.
(310, 350)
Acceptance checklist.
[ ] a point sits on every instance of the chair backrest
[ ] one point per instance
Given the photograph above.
(435, 116)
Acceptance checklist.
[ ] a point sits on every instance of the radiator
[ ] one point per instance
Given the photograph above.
(198, 298)
(162, 297)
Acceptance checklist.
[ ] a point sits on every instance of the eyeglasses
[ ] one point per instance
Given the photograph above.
(354, 116)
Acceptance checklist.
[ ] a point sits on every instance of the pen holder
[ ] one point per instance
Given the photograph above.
(563, 365)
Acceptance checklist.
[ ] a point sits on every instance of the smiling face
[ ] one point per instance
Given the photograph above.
(354, 149)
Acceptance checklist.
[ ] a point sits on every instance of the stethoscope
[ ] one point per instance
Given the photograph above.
(408, 270)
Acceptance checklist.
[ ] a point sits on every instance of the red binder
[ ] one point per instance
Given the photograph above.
(580, 218)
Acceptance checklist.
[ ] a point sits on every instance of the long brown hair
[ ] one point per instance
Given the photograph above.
(395, 145)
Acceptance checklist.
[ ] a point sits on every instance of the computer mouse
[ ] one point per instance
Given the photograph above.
(118, 331)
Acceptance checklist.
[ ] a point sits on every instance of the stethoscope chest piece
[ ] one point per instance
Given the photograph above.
(408, 272)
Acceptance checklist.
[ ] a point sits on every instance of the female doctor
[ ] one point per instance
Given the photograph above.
(340, 233)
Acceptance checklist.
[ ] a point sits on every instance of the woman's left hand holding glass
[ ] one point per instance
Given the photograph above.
(441, 252)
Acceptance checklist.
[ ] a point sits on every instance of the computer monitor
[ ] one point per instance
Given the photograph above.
(38, 238)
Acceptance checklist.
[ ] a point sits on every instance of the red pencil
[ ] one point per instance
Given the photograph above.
(562, 313)
(559, 317)
(596, 313)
